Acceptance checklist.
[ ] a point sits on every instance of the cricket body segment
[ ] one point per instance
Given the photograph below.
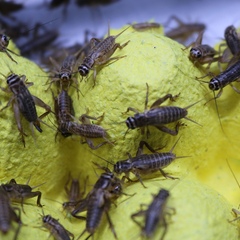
(148, 162)
(100, 53)
(225, 78)
(232, 40)
(184, 30)
(107, 182)
(145, 163)
(232, 53)
(64, 73)
(155, 212)
(65, 105)
(24, 103)
(4, 42)
(203, 54)
(74, 194)
(24, 99)
(145, 26)
(104, 181)
(66, 70)
(56, 229)
(7, 214)
(98, 201)
(97, 205)
(86, 130)
(18, 192)
(154, 215)
(156, 116)
(74, 191)
(85, 67)
(64, 111)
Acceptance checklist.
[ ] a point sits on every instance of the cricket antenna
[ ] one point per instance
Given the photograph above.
(102, 159)
(29, 30)
(233, 173)
(174, 145)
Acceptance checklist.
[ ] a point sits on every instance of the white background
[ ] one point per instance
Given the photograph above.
(217, 15)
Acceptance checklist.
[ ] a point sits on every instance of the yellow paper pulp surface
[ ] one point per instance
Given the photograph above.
(202, 199)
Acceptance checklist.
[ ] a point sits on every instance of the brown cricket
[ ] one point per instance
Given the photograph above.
(100, 54)
(154, 215)
(24, 103)
(158, 116)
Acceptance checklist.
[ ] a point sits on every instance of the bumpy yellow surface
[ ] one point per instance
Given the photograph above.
(206, 191)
